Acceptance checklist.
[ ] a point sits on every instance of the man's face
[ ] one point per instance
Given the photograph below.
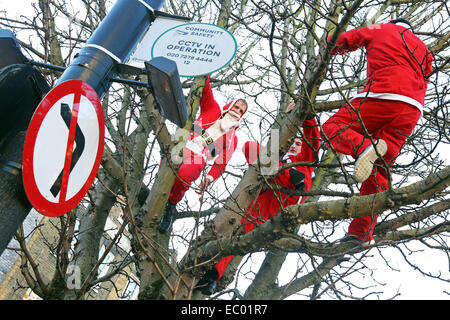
(239, 107)
(295, 146)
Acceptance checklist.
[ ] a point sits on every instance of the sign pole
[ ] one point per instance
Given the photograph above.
(111, 43)
(14, 205)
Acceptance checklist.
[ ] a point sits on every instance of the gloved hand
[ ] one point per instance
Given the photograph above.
(297, 178)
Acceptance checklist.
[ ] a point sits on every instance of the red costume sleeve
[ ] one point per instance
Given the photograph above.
(352, 40)
(251, 150)
(312, 135)
(207, 102)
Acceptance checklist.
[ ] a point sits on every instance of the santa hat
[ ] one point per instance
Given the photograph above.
(402, 22)
(229, 105)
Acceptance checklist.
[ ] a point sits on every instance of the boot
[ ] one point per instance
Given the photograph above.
(167, 217)
(207, 284)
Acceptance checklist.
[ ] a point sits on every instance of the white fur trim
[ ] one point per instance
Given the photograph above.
(194, 147)
(391, 96)
(231, 106)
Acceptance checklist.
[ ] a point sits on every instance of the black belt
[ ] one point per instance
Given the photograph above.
(206, 137)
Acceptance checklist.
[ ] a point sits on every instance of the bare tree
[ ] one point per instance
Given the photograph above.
(283, 54)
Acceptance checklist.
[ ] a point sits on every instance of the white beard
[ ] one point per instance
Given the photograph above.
(221, 126)
(215, 131)
(229, 120)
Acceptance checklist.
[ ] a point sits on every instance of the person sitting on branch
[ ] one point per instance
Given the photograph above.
(213, 137)
(271, 202)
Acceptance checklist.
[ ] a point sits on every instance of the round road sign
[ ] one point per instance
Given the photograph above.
(63, 148)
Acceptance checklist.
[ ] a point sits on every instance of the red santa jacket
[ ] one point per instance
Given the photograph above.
(225, 146)
(398, 62)
(270, 202)
(312, 135)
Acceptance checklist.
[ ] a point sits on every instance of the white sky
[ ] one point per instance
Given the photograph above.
(409, 283)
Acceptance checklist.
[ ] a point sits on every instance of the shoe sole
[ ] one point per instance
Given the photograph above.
(364, 164)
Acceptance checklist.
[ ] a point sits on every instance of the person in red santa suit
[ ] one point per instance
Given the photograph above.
(388, 109)
(212, 137)
(271, 202)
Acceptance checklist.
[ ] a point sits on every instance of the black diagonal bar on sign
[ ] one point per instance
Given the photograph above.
(66, 114)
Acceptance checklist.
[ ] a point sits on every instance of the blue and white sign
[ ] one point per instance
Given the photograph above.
(197, 48)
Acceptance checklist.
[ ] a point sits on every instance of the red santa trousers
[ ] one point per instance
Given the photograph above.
(266, 205)
(392, 121)
(189, 171)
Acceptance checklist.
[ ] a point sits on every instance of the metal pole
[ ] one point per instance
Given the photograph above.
(14, 206)
(111, 43)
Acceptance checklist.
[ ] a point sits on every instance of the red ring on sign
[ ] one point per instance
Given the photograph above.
(38, 201)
